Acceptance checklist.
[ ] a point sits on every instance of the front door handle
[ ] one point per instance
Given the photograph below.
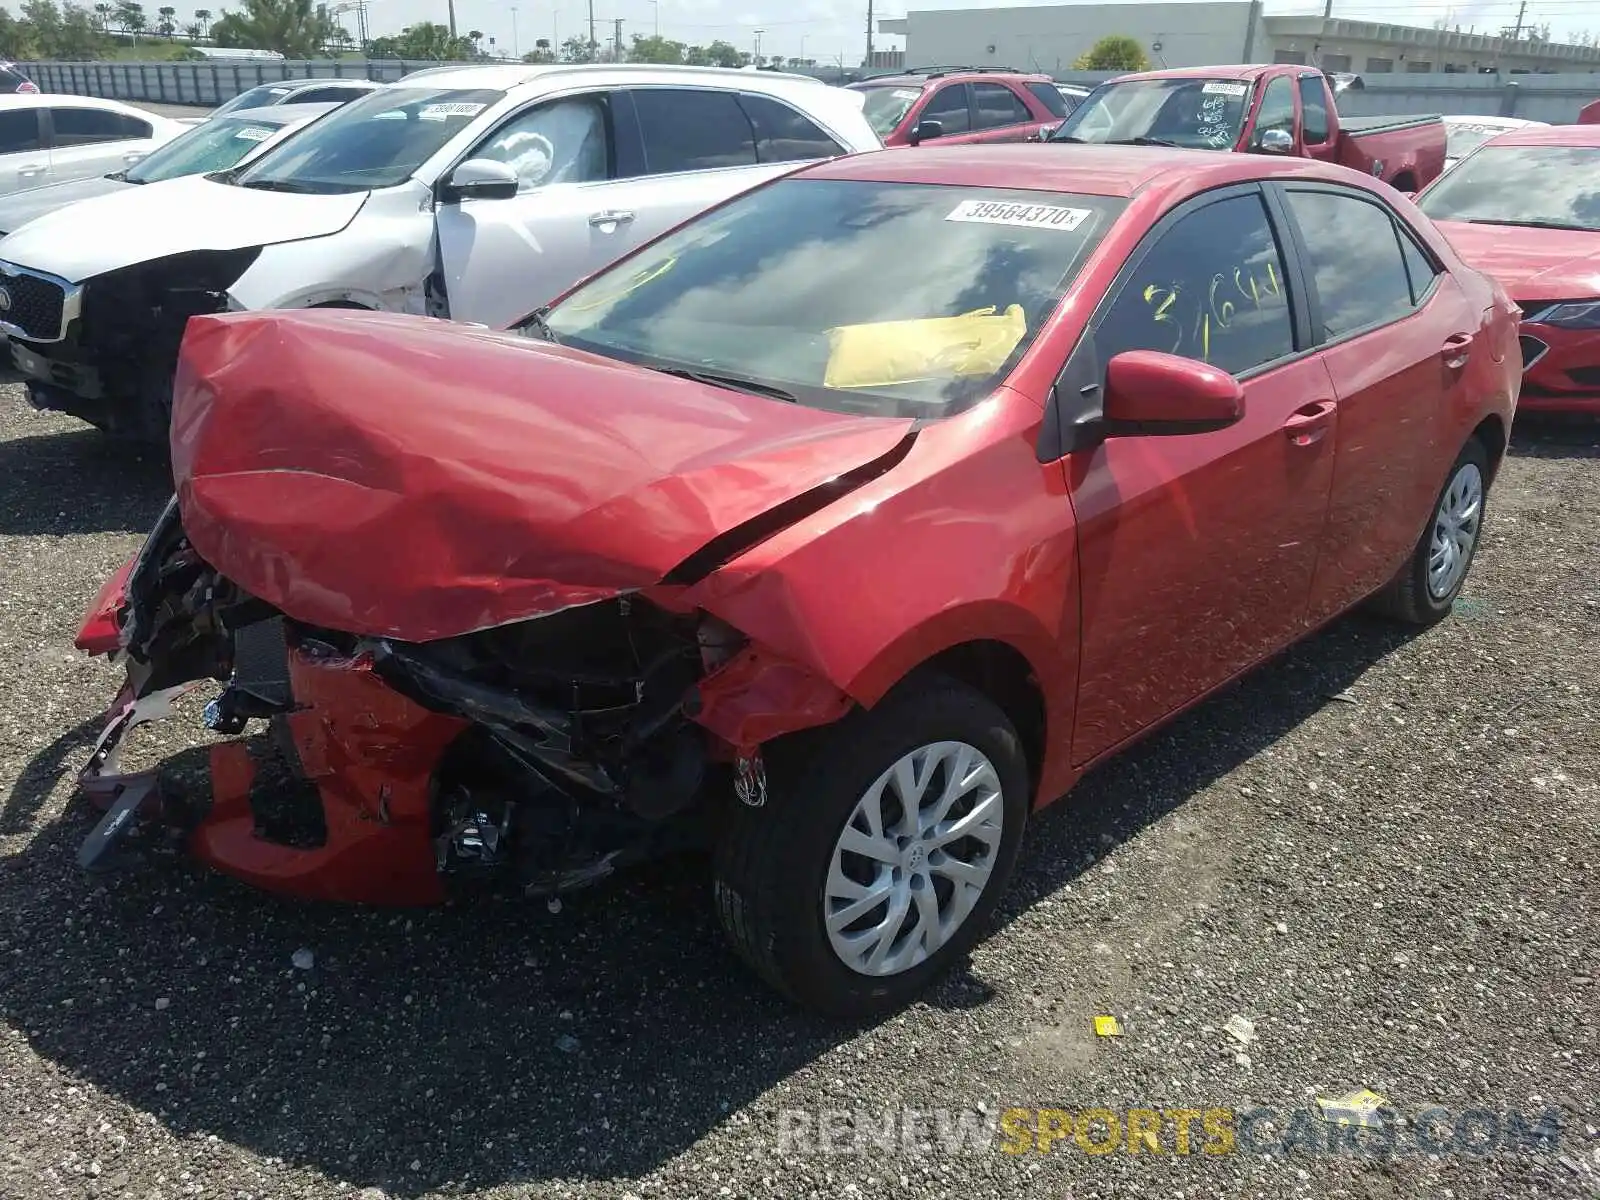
(612, 216)
(32, 169)
(1457, 349)
(1309, 423)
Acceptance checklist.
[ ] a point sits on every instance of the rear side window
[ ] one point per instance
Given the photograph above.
(998, 106)
(1211, 288)
(1314, 109)
(334, 95)
(1356, 260)
(85, 126)
(19, 130)
(784, 135)
(1054, 102)
(693, 130)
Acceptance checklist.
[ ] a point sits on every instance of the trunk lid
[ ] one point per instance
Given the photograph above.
(411, 478)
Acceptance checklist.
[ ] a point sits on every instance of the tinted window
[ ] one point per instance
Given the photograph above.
(1553, 186)
(19, 130)
(82, 126)
(1277, 108)
(949, 107)
(1360, 275)
(1419, 267)
(881, 298)
(693, 130)
(1314, 109)
(561, 142)
(998, 106)
(783, 135)
(1211, 288)
(1046, 94)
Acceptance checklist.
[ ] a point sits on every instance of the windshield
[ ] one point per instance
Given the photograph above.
(218, 144)
(1555, 186)
(374, 142)
(1202, 114)
(1462, 139)
(887, 106)
(879, 298)
(264, 96)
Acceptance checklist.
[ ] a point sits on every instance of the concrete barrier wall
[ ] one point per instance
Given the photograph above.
(1552, 98)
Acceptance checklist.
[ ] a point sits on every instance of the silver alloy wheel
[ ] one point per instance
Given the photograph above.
(914, 858)
(1455, 530)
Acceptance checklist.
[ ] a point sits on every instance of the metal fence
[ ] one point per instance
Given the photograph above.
(1553, 98)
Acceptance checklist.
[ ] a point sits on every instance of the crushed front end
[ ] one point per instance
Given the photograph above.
(539, 755)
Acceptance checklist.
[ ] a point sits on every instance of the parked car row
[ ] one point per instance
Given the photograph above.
(835, 520)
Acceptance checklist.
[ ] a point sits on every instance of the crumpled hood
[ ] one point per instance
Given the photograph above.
(19, 208)
(155, 220)
(1533, 264)
(411, 478)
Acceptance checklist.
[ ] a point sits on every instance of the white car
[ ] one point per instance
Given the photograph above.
(299, 91)
(1463, 135)
(475, 193)
(48, 139)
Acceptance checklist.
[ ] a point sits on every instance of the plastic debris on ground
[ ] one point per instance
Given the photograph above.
(1359, 1107)
(1107, 1027)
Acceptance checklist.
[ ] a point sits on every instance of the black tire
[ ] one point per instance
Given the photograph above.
(1408, 597)
(772, 861)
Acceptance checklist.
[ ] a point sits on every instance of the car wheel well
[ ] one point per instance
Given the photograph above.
(341, 304)
(1001, 673)
(1491, 431)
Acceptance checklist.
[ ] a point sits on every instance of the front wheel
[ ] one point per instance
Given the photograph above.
(881, 851)
(1427, 586)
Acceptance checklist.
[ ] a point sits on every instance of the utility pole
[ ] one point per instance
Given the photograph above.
(1522, 11)
(616, 40)
(757, 54)
(868, 63)
(452, 20)
(593, 45)
(1327, 9)
(1251, 21)
(514, 51)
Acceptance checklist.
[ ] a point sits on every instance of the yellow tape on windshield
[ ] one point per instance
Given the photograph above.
(885, 353)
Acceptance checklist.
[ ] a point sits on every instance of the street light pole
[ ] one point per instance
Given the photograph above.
(514, 48)
(758, 34)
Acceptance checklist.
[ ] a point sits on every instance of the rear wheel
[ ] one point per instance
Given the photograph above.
(1427, 586)
(881, 851)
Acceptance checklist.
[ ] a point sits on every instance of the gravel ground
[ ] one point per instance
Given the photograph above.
(1381, 851)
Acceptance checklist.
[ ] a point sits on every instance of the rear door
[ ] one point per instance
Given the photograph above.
(24, 161)
(999, 114)
(1398, 334)
(85, 142)
(1197, 552)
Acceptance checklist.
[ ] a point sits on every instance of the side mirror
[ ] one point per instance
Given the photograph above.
(1275, 141)
(926, 131)
(1147, 392)
(1409, 195)
(481, 179)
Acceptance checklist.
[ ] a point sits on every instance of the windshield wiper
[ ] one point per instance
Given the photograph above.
(536, 321)
(1066, 137)
(279, 185)
(731, 382)
(1141, 141)
(1529, 224)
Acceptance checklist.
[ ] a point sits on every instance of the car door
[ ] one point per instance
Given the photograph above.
(499, 258)
(1197, 552)
(1397, 334)
(24, 161)
(999, 115)
(949, 105)
(85, 142)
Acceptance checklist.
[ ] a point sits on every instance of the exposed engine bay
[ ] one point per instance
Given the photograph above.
(539, 755)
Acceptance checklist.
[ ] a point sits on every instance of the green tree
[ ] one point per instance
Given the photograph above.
(541, 52)
(294, 28)
(422, 41)
(578, 49)
(1116, 52)
(168, 24)
(655, 50)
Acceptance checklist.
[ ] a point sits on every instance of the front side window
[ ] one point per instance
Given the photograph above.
(1277, 108)
(1201, 114)
(877, 298)
(948, 106)
(377, 141)
(564, 141)
(685, 129)
(19, 130)
(217, 145)
(1547, 187)
(1212, 288)
(85, 126)
(784, 135)
(1356, 261)
(886, 106)
(1314, 110)
(997, 106)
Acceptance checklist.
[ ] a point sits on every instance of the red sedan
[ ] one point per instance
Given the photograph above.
(841, 527)
(1524, 208)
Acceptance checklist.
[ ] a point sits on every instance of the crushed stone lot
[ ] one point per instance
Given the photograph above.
(1380, 850)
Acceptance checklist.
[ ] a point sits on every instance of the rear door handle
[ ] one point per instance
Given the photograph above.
(32, 169)
(613, 216)
(1309, 423)
(1457, 349)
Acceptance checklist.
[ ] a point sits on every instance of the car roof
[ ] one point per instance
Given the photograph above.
(1551, 135)
(278, 114)
(945, 74)
(505, 76)
(1240, 71)
(1071, 167)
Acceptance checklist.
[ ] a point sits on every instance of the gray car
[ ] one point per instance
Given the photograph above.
(299, 91)
(215, 145)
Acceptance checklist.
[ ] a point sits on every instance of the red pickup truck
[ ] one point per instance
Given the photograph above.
(1276, 109)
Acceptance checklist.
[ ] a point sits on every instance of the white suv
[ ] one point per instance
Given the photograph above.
(51, 139)
(475, 193)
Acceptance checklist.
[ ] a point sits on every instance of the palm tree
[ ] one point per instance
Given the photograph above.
(167, 26)
(294, 28)
(103, 13)
(202, 18)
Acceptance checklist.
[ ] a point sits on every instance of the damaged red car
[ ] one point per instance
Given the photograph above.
(837, 530)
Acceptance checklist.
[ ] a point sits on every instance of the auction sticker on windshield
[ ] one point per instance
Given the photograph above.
(1225, 89)
(443, 112)
(253, 133)
(1027, 216)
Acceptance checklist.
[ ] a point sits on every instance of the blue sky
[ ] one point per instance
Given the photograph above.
(830, 29)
